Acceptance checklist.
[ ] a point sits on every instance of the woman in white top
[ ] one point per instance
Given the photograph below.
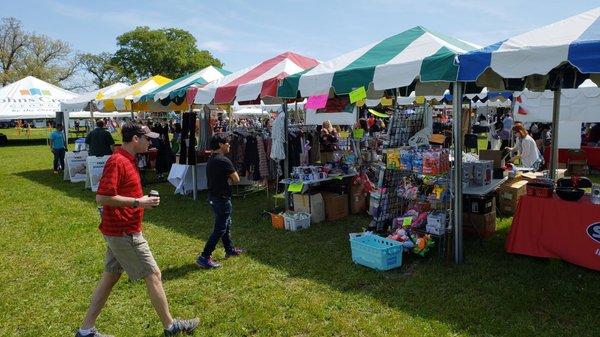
(527, 149)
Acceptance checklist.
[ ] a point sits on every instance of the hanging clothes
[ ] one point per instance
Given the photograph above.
(262, 158)
(251, 159)
(278, 137)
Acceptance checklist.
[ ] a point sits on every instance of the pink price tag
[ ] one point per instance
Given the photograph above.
(317, 102)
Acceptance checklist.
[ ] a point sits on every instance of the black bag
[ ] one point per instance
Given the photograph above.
(3, 139)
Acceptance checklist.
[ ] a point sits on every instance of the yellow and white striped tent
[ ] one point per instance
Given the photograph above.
(122, 99)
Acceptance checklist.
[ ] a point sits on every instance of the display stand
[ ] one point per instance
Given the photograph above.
(75, 168)
(95, 167)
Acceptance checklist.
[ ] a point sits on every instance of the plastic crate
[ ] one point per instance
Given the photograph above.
(375, 252)
(277, 221)
(296, 221)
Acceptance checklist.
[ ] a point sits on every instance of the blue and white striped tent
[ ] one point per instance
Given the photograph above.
(532, 59)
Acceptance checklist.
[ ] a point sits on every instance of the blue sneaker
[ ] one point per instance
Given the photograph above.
(206, 262)
(186, 326)
(234, 252)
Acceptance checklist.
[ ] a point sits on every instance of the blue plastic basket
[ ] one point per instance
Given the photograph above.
(375, 252)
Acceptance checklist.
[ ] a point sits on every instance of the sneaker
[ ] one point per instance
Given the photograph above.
(55, 172)
(186, 326)
(94, 333)
(206, 262)
(235, 252)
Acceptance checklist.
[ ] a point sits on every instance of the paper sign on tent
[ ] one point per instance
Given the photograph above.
(357, 94)
(317, 102)
(386, 101)
(420, 99)
(295, 187)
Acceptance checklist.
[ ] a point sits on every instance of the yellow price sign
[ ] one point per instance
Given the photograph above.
(295, 187)
(357, 94)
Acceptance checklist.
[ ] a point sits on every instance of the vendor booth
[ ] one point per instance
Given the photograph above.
(249, 133)
(554, 57)
(391, 155)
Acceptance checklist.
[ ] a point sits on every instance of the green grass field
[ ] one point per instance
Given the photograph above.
(288, 284)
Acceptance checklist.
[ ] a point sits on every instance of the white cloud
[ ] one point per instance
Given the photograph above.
(214, 46)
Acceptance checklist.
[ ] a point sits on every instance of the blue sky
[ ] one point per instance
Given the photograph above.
(241, 33)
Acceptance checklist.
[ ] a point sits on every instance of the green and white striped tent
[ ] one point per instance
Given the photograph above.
(394, 62)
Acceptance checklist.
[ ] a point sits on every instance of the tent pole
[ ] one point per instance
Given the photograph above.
(193, 166)
(555, 122)
(457, 181)
(286, 161)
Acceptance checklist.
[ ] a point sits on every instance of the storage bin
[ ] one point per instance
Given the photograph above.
(375, 252)
(277, 221)
(296, 221)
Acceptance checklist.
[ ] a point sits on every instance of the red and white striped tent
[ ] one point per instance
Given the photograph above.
(255, 82)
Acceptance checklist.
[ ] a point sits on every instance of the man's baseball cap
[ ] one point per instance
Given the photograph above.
(133, 129)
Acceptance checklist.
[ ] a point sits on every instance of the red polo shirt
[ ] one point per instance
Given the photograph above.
(121, 177)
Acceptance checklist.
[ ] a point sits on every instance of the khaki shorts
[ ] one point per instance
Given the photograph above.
(130, 253)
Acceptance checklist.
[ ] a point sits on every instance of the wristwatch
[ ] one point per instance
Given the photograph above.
(136, 203)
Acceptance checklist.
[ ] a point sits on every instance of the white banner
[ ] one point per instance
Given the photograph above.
(336, 118)
(76, 166)
(95, 167)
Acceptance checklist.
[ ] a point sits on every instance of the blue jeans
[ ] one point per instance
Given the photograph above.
(59, 159)
(222, 208)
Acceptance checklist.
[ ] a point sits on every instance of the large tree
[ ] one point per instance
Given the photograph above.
(23, 54)
(170, 52)
(104, 72)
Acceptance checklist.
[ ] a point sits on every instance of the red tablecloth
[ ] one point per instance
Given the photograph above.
(592, 155)
(551, 227)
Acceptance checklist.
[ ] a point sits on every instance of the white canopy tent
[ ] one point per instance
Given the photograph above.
(86, 102)
(31, 98)
(576, 105)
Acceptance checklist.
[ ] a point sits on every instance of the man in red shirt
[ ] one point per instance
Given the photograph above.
(120, 194)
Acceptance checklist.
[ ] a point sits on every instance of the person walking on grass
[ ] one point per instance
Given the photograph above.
(219, 172)
(58, 147)
(120, 194)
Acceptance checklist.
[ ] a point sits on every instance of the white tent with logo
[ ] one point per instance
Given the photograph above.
(31, 98)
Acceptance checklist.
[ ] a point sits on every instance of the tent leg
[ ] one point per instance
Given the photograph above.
(555, 122)
(457, 181)
(193, 167)
(286, 161)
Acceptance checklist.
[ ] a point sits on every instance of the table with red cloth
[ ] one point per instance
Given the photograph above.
(592, 154)
(555, 228)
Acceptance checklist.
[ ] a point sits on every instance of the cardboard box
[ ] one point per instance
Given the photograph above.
(312, 204)
(482, 173)
(560, 173)
(493, 155)
(479, 204)
(336, 206)
(482, 225)
(509, 194)
(358, 202)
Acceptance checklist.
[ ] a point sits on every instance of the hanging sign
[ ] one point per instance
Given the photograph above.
(295, 187)
(357, 94)
(317, 102)
(386, 101)
(358, 133)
